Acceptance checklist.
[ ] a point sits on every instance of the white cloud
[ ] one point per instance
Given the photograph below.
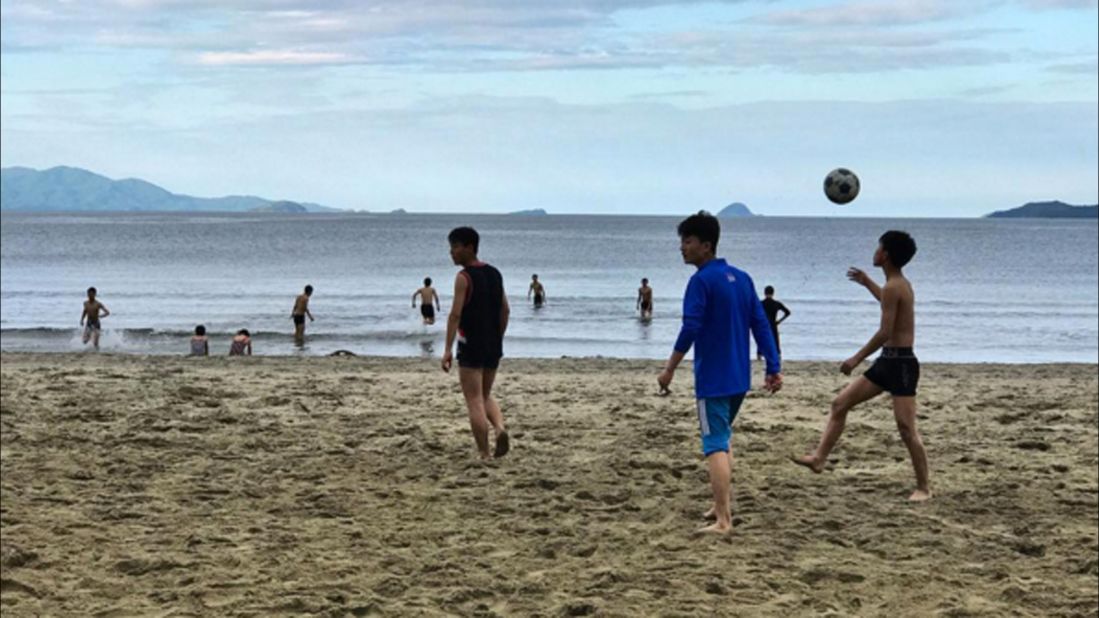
(498, 35)
(868, 13)
(272, 57)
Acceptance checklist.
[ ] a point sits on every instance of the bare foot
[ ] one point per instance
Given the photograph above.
(503, 444)
(717, 528)
(712, 513)
(809, 462)
(920, 495)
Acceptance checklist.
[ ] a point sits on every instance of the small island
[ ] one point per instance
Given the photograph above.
(533, 212)
(736, 209)
(1047, 210)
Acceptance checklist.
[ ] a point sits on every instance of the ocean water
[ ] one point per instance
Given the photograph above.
(988, 290)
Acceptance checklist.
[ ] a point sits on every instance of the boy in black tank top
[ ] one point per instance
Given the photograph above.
(478, 319)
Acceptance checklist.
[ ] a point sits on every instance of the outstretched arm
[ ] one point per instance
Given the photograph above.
(414, 295)
(106, 311)
(435, 295)
(863, 279)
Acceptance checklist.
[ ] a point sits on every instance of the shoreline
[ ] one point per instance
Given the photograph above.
(521, 359)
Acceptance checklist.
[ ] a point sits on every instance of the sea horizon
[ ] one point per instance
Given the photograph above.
(1027, 292)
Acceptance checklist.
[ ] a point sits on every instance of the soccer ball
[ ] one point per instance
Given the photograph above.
(841, 185)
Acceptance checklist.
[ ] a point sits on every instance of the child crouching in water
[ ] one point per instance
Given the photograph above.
(200, 346)
(242, 344)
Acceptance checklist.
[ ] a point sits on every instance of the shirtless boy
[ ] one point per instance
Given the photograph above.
(896, 370)
(538, 290)
(645, 300)
(429, 301)
(89, 319)
(299, 313)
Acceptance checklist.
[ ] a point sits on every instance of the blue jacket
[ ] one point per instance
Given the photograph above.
(719, 308)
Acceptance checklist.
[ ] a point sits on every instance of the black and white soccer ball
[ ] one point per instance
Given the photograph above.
(841, 185)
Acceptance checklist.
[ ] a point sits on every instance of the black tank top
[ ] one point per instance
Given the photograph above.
(480, 323)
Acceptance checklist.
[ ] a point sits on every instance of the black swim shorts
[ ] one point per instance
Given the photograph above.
(478, 356)
(897, 371)
(299, 319)
(428, 311)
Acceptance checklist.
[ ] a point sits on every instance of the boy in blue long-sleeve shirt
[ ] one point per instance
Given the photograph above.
(720, 308)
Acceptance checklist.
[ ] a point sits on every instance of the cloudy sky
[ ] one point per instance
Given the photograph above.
(943, 107)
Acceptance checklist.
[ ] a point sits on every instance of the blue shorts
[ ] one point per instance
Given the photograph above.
(715, 422)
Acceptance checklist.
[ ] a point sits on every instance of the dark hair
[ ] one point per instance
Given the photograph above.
(899, 245)
(769, 290)
(92, 290)
(308, 290)
(534, 276)
(702, 226)
(200, 330)
(244, 331)
(464, 236)
(644, 280)
(427, 280)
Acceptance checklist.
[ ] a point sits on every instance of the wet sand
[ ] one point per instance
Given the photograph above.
(349, 487)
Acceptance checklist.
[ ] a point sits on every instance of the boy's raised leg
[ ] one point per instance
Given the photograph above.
(852, 395)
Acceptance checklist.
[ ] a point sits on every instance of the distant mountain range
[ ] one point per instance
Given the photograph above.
(1048, 210)
(75, 189)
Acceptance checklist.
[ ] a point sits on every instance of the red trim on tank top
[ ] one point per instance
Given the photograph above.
(469, 286)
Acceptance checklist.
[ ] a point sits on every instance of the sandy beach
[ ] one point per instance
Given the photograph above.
(349, 487)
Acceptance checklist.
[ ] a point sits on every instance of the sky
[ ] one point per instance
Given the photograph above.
(943, 108)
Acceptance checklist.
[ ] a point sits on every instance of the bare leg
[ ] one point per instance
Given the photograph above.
(492, 409)
(471, 380)
(495, 416)
(86, 336)
(855, 393)
(720, 476)
(95, 339)
(904, 411)
(299, 333)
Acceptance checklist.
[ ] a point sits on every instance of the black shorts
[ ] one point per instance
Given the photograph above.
(298, 319)
(478, 357)
(897, 371)
(539, 300)
(428, 311)
(646, 306)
